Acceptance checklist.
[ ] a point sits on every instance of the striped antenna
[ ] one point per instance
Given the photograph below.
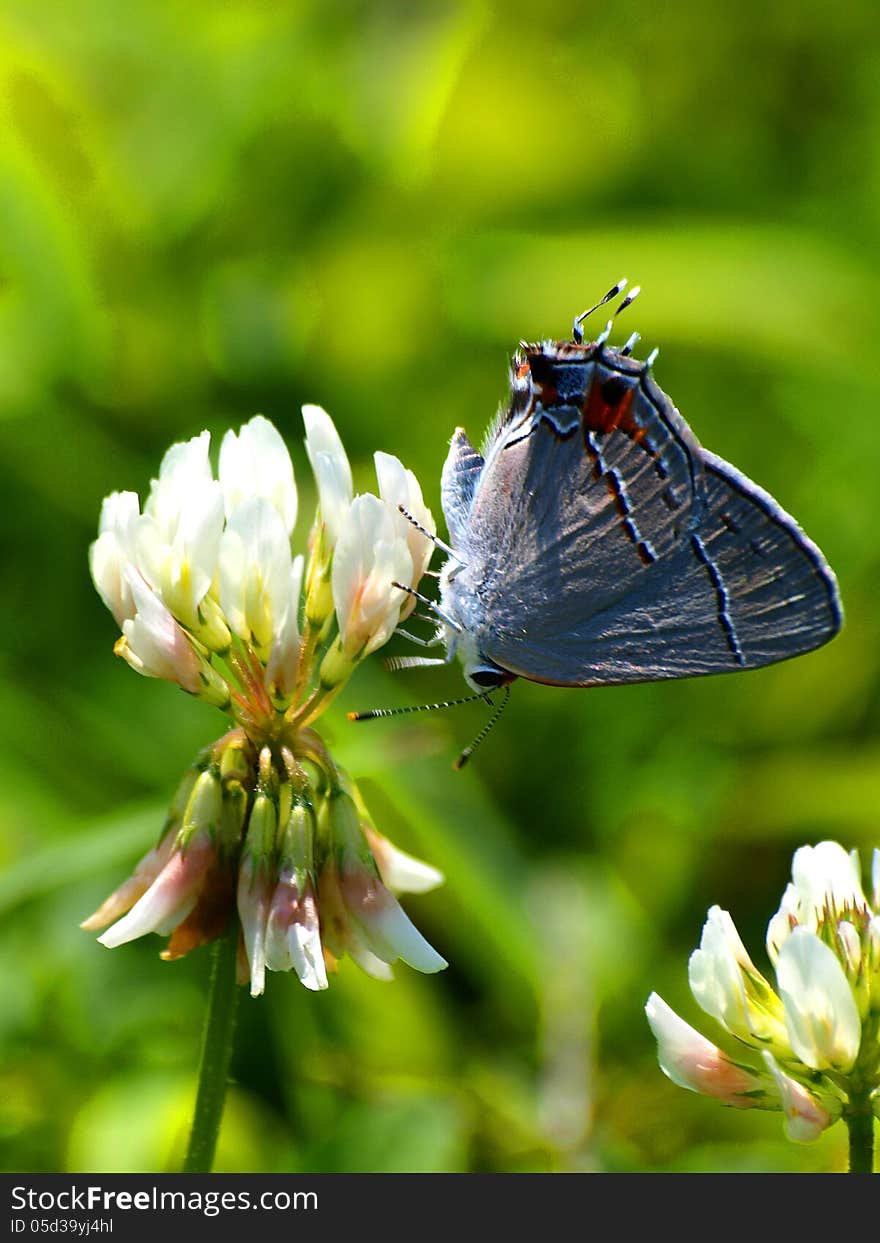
(490, 724)
(629, 299)
(576, 330)
(375, 713)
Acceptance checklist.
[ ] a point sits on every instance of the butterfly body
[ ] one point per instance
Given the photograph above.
(597, 542)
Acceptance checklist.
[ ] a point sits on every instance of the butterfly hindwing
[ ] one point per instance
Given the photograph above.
(603, 544)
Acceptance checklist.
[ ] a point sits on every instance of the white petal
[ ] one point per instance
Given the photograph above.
(821, 1015)
(368, 559)
(330, 467)
(779, 927)
(108, 561)
(367, 960)
(391, 934)
(167, 902)
(825, 874)
(256, 463)
(283, 666)
(715, 975)
(118, 513)
(185, 468)
(875, 881)
(254, 571)
(402, 873)
(399, 486)
(307, 956)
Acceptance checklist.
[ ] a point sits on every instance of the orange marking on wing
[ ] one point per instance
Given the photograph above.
(604, 415)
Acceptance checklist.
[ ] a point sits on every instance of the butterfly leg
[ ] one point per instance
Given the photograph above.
(414, 638)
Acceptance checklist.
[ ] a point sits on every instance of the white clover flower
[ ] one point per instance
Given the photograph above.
(208, 593)
(818, 1033)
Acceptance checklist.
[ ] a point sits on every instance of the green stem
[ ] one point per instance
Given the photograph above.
(216, 1054)
(860, 1124)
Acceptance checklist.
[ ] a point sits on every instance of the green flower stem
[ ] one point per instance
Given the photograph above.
(860, 1124)
(216, 1054)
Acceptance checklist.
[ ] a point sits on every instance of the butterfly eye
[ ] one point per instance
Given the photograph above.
(488, 677)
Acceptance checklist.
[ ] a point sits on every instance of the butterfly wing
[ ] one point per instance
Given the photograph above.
(605, 545)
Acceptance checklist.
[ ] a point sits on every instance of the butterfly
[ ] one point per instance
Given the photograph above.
(594, 541)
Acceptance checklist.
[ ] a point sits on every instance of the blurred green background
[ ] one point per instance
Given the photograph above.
(209, 210)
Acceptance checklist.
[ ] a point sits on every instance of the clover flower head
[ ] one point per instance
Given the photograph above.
(818, 1030)
(210, 593)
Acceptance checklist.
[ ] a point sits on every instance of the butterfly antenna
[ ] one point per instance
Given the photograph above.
(490, 724)
(375, 713)
(428, 535)
(629, 299)
(576, 330)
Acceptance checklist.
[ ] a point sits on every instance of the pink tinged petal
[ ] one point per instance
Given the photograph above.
(330, 467)
(693, 1062)
(805, 1116)
(821, 1015)
(155, 645)
(369, 557)
(293, 937)
(875, 881)
(170, 897)
(402, 873)
(124, 898)
(827, 877)
(256, 463)
(388, 931)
